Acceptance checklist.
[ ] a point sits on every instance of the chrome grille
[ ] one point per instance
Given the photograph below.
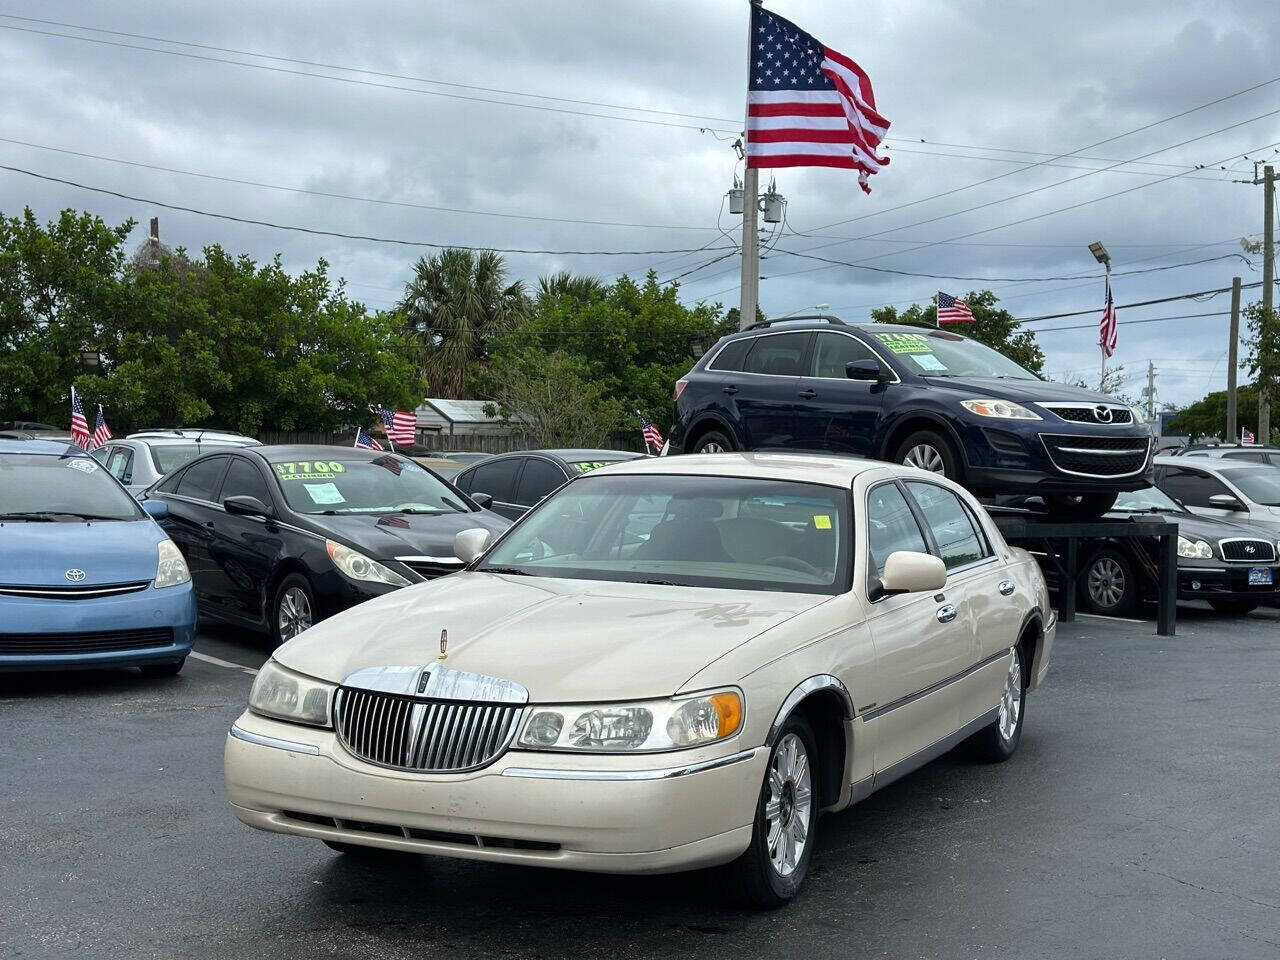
(1248, 551)
(428, 568)
(1091, 456)
(71, 593)
(421, 734)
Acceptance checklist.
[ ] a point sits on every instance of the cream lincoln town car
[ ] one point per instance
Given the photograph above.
(668, 664)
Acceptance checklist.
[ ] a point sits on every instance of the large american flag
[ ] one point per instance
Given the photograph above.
(366, 442)
(808, 105)
(652, 435)
(101, 432)
(1108, 329)
(951, 310)
(400, 425)
(79, 425)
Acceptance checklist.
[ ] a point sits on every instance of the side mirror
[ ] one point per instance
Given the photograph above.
(246, 507)
(156, 509)
(865, 370)
(1225, 501)
(909, 572)
(469, 544)
(482, 500)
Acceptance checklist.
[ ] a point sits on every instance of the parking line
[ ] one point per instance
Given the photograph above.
(223, 663)
(1103, 616)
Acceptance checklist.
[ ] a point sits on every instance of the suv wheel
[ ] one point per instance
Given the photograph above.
(713, 441)
(294, 608)
(929, 450)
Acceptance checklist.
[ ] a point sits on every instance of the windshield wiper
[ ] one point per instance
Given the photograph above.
(662, 583)
(415, 510)
(510, 571)
(50, 514)
(44, 517)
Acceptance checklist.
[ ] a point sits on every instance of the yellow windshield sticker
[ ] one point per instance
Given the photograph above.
(309, 469)
(905, 342)
(821, 521)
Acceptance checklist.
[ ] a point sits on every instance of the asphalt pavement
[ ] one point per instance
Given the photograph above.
(1140, 818)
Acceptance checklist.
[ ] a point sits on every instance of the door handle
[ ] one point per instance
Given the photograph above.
(1006, 588)
(807, 394)
(946, 613)
(730, 389)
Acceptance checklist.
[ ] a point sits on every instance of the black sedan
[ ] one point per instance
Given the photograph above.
(279, 537)
(516, 481)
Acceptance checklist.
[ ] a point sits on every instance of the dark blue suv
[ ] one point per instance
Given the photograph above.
(913, 395)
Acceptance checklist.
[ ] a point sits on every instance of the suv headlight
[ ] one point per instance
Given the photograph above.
(1001, 409)
(1138, 415)
(171, 567)
(1195, 549)
(285, 695)
(357, 566)
(640, 726)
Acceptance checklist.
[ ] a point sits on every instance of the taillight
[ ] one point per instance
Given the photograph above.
(680, 385)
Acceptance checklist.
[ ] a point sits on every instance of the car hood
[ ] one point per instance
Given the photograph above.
(1195, 527)
(563, 640)
(108, 551)
(399, 535)
(1021, 391)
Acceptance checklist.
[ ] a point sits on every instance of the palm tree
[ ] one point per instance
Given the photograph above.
(458, 302)
(552, 288)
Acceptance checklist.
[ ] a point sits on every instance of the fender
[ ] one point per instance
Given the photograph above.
(823, 681)
(916, 413)
(719, 421)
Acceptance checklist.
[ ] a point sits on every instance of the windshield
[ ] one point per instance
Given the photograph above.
(386, 484)
(36, 487)
(1260, 486)
(936, 353)
(1151, 498)
(686, 531)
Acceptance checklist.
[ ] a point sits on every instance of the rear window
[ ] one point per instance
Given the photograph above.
(732, 356)
(170, 456)
(34, 487)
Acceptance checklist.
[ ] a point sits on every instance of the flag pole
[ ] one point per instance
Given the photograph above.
(749, 290)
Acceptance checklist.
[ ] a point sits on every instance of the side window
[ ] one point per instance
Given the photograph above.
(831, 351)
(540, 477)
(891, 526)
(780, 355)
(244, 480)
(170, 484)
(200, 480)
(120, 465)
(497, 478)
(732, 356)
(959, 542)
(1191, 487)
(463, 480)
(102, 453)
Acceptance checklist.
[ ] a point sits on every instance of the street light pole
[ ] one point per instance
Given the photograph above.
(1100, 254)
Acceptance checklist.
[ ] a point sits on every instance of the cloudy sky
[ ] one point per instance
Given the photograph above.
(479, 108)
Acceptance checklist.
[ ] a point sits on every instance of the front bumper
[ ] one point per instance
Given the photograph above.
(1014, 457)
(1225, 583)
(654, 814)
(44, 625)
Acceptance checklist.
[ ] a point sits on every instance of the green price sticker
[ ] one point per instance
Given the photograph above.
(586, 466)
(905, 342)
(309, 469)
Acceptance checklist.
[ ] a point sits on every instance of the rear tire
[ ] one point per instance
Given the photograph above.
(1234, 608)
(713, 441)
(774, 866)
(1085, 506)
(929, 450)
(996, 742)
(1108, 584)
(162, 669)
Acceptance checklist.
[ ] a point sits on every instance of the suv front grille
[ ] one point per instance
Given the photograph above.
(423, 735)
(1097, 456)
(99, 641)
(1088, 413)
(1248, 551)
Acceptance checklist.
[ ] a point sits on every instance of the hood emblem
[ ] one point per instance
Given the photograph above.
(1103, 413)
(75, 574)
(444, 645)
(1250, 549)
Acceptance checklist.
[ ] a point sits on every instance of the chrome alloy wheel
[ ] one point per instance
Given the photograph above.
(925, 457)
(789, 809)
(1106, 582)
(711, 447)
(1011, 698)
(295, 613)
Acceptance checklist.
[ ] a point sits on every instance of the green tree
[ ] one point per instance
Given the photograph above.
(457, 304)
(550, 399)
(1207, 417)
(557, 286)
(994, 326)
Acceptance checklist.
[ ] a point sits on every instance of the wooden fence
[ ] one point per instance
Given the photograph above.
(431, 440)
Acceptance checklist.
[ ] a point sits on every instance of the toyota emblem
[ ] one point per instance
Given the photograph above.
(1103, 413)
(75, 574)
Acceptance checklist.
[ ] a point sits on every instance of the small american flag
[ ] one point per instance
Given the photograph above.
(652, 436)
(808, 105)
(1108, 329)
(101, 432)
(366, 442)
(400, 425)
(1247, 438)
(951, 310)
(79, 425)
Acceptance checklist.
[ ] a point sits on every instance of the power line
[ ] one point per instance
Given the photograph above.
(336, 233)
(1130, 323)
(1200, 294)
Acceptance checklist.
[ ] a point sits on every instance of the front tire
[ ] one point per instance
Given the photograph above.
(713, 441)
(774, 866)
(996, 742)
(1108, 584)
(292, 609)
(1085, 506)
(929, 450)
(1234, 608)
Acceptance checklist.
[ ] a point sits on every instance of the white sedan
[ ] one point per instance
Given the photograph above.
(668, 664)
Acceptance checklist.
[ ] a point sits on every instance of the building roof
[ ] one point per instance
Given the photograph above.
(460, 411)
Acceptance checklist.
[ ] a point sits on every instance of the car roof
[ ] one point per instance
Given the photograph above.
(1214, 463)
(208, 440)
(570, 454)
(53, 448)
(860, 326)
(830, 469)
(284, 452)
(187, 434)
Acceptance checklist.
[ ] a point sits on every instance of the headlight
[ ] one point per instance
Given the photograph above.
(1001, 409)
(286, 695)
(1138, 415)
(1195, 549)
(357, 566)
(625, 727)
(171, 568)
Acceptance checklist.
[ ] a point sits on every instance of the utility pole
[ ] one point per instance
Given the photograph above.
(1268, 286)
(1233, 359)
(749, 293)
(1151, 390)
